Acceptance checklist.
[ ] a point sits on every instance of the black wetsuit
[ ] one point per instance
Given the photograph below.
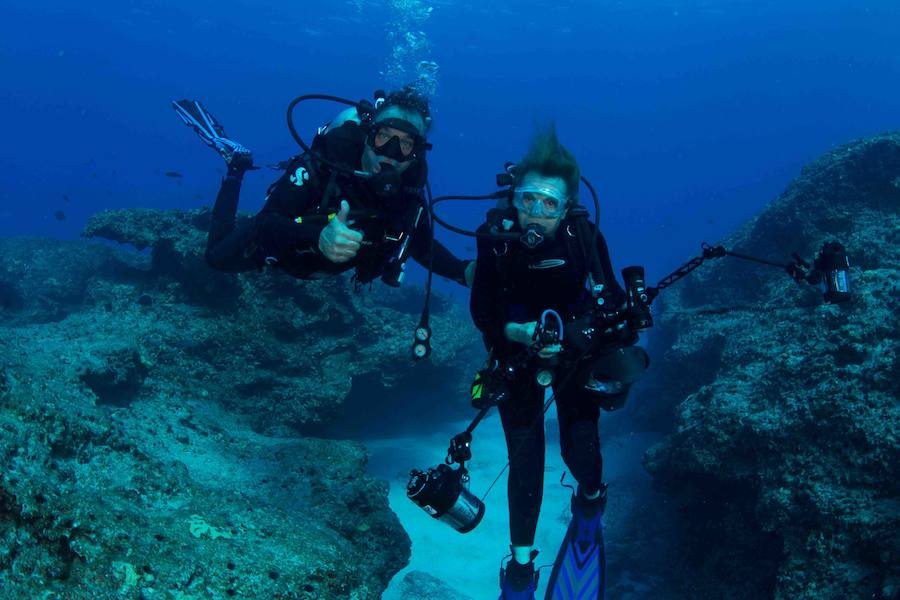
(515, 284)
(285, 233)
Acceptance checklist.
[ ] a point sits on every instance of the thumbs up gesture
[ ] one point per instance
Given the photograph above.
(337, 242)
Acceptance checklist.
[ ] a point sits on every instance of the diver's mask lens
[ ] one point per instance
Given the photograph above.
(383, 137)
(539, 202)
(395, 139)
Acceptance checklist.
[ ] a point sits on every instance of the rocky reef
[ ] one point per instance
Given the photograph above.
(162, 424)
(785, 459)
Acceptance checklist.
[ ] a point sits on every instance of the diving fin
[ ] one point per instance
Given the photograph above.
(580, 568)
(195, 116)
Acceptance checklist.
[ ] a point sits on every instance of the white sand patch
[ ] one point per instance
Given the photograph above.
(470, 562)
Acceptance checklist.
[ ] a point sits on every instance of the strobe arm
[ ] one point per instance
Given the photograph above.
(830, 266)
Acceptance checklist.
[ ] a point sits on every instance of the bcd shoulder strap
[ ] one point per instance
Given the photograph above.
(582, 247)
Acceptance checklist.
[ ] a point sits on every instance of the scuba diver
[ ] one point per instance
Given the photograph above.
(526, 293)
(353, 200)
(553, 317)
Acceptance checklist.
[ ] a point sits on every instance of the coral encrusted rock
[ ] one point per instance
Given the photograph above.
(283, 351)
(786, 458)
(161, 424)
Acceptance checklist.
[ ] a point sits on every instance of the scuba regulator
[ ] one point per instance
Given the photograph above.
(386, 184)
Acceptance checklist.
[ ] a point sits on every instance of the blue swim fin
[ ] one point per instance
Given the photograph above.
(579, 572)
(195, 116)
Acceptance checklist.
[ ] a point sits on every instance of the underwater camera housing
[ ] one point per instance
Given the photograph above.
(637, 301)
(440, 491)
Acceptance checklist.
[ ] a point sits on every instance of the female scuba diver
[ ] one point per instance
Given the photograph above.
(528, 289)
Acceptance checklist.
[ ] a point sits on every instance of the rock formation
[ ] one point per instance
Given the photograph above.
(158, 420)
(785, 458)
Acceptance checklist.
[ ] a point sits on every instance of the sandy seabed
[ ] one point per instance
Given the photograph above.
(470, 562)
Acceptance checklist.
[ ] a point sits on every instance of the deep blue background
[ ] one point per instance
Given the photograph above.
(687, 116)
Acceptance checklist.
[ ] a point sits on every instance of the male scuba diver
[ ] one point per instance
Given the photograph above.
(355, 200)
(529, 291)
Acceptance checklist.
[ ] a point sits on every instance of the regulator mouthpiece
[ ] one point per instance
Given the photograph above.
(532, 237)
(386, 183)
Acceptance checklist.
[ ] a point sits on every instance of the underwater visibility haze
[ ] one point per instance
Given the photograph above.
(194, 406)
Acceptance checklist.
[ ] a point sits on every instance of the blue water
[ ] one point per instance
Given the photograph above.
(687, 116)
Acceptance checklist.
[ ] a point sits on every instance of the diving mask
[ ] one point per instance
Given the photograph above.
(388, 144)
(541, 197)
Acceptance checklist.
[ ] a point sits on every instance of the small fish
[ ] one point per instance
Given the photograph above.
(174, 174)
(60, 215)
(198, 196)
(65, 198)
(280, 165)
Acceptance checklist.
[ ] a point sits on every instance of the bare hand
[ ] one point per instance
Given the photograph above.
(470, 274)
(337, 242)
(521, 332)
(524, 334)
(549, 351)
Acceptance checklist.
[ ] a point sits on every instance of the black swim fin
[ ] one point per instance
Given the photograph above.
(195, 116)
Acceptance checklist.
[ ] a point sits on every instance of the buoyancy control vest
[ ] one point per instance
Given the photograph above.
(386, 221)
(569, 257)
